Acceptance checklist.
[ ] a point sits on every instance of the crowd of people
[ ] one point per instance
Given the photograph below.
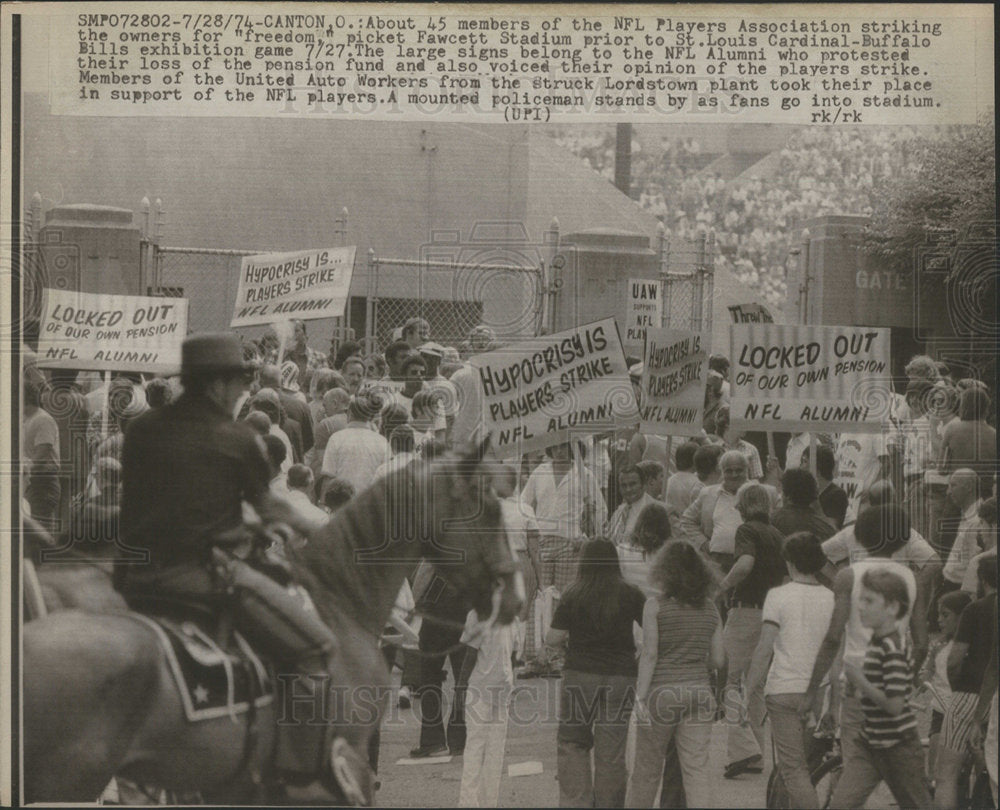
(672, 584)
(756, 216)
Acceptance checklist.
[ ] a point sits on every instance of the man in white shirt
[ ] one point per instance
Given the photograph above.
(987, 539)
(844, 548)
(918, 455)
(445, 395)
(559, 490)
(356, 452)
(916, 553)
(299, 491)
(962, 490)
(711, 520)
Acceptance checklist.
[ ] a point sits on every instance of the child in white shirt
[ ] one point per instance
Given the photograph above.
(486, 705)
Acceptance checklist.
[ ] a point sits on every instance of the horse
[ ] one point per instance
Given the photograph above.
(99, 700)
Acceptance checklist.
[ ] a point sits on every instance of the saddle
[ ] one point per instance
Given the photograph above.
(214, 680)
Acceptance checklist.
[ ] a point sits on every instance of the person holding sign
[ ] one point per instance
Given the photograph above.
(307, 360)
(733, 440)
(561, 490)
(716, 390)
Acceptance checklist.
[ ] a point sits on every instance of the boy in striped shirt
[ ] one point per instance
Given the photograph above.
(885, 683)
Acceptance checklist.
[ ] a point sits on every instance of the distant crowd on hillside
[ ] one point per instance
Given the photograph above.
(756, 220)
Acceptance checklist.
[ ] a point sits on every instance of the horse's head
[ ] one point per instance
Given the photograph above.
(465, 537)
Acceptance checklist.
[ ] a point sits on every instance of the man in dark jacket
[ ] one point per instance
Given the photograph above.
(187, 468)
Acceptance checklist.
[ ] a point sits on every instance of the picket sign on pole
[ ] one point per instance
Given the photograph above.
(104, 405)
(109, 332)
(304, 284)
(675, 367)
(812, 453)
(281, 349)
(282, 330)
(809, 378)
(554, 388)
(770, 445)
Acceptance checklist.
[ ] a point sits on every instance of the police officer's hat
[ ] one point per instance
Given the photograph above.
(219, 352)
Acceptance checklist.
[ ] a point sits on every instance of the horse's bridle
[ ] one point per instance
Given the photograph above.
(497, 569)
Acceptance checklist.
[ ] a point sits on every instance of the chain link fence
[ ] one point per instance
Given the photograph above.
(452, 297)
(686, 268)
(207, 278)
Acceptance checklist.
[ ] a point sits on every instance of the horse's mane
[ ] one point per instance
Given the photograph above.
(332, 564)
(355, 564)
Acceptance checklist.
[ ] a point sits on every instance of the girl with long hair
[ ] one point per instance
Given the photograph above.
(595, 617)
(682, 639)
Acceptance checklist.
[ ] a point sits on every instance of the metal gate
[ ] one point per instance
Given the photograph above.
(686, 270)
(453, 297)
(209, 279)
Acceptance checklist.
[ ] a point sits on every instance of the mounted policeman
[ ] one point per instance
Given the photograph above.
(187, 470)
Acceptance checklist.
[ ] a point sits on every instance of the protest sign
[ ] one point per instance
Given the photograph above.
(810, 378)
(643, 309)
(306, 284)
(540, 392)
(750, 313)
(858, 466)
(675, 367)
(95, 332)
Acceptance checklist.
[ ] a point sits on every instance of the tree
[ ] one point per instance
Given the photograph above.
(938, 226)
(949, 199)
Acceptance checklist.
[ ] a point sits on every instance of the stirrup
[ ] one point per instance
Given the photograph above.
(351, 774)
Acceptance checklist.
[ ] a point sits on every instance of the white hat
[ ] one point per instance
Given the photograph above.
(431, 348)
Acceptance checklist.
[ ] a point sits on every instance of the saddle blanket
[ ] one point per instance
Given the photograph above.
(213, 682)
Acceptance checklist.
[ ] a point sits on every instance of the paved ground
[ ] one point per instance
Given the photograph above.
(530, 737)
